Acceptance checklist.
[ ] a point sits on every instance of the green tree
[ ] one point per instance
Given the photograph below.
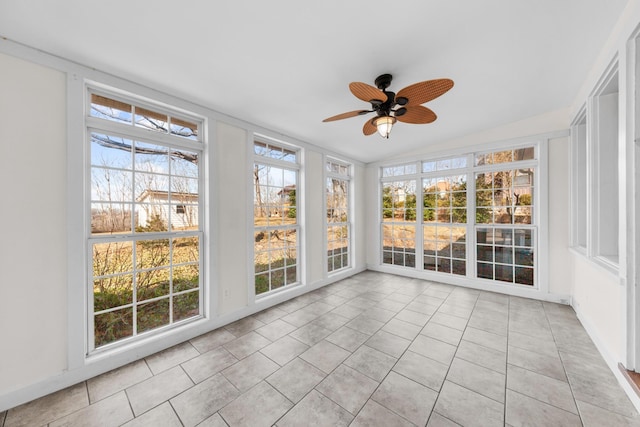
(410, 207)
(387, 202)
(292, 204)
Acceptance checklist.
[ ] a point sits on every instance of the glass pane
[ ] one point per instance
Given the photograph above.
(504, 273)
(112, 258)
(152, 284)
(484, 235)
(111, 151)
(428, 166)
(184, 128)
(112, 326)
(483, 159)
(429, 215)
(524, 154)
(274, 152)
(523, 237)
(186, 249)
(111, 185)
(484, 181)
(504, 254)
(459, 267)
(262, 283)
(444, 215)
(152, 218)
(186, 277)
(386, 257)
(459, 162)
(277, 279)
(503, 156)
(523, 215)
(151, 120)
(186, 306)
(524, 257)
(430, 263)
(260, 148)
(524, 276)
(153, 315)
(443, 164)
(291, 274)
(110, 109)
(410, 260)
(458, 250)
(484, 215)
(112, 292)
(152, 253)
(184, 163)
(110, 218)
(503, 236)
(444, 265)
(459, 216)
(485, 253)
(151, 158)
(430, 247)
(485, 271)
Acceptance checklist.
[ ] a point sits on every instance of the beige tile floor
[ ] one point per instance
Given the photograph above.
(371, 350)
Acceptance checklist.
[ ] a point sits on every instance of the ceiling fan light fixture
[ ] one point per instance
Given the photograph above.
(384, 125)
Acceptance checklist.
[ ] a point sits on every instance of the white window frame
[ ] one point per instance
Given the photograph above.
(579, 182)
(349, 223)
(135, 133)
(538, 220)
(603, 244)
(294, 166)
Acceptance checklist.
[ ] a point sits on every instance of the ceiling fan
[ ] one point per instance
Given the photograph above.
(391, 107)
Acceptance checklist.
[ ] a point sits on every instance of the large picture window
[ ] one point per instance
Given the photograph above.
(275, 213)
(476, 213)
(145, 209)
(338, 216)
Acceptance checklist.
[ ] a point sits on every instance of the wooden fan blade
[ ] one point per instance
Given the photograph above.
(346, 115)
(419, 93)
(369, 128)
(367, 92)
(417, 114)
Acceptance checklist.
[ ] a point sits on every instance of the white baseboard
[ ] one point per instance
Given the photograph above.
(609, 358)
(106, 362)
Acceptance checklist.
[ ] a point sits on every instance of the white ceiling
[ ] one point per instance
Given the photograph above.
(286, 64)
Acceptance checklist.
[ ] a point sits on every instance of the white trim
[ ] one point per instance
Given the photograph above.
(143, 348)
(486, 146)
(609, 358)
(76, 224)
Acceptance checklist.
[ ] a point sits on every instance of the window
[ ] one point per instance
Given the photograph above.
(146, 234)
(338, 216)
(484, 199)
(580, 184)
(444, 217)
(399, 221)
(605, 208)
(275, 213)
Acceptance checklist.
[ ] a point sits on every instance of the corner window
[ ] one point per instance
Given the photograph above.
(275, 216)
(145, 214)
(474, 215)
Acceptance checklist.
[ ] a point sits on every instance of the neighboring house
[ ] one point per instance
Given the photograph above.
(181, 210)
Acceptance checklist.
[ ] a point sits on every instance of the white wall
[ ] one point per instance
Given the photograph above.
(33, 265)
(559, 274)
(230, 192)
(315, 216)
(39, 352)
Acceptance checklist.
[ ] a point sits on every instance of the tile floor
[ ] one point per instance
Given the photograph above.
(374, 349)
